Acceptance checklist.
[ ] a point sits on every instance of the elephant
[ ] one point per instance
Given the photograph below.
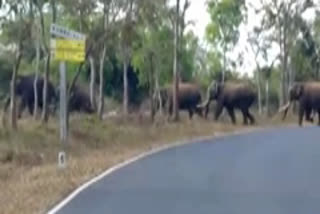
(25, 90)
(79, 101)
(308, 96)
(231, 95)
(189, 97)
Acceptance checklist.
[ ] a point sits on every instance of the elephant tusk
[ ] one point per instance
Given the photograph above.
(204, 104)
(285, 107)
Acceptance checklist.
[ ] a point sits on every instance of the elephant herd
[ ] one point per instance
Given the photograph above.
(79, 100)
(239, 96)
(229, 96)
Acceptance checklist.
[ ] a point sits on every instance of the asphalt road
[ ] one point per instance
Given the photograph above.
(267, 172)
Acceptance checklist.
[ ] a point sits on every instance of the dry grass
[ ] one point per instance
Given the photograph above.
(30, 181)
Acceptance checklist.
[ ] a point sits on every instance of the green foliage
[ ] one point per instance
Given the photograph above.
(226, 16)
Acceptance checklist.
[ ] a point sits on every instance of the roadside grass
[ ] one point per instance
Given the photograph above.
(30, 181)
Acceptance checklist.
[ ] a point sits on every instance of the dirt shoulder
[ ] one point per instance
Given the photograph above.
(30, 181)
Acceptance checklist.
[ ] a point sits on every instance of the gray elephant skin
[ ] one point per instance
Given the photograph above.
(308, 96)
(25, 91)
(189, 98)
(231, 96)
(79, 100)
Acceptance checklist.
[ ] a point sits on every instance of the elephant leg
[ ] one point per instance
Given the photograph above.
(301, 112)
(206, 110)
(21, 107)
(308, 115)
(169, 110)
(218, 111)
(318, 117)
(30, 107)
(231, 114)
(190, 113)
(245, 117)
(251, 117)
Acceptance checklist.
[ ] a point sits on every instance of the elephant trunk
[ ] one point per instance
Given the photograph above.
(285, 109)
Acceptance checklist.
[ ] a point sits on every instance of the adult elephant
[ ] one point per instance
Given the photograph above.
(79, 101)
(231, 95)
(25, 91)
(308, 96)
(189, 97)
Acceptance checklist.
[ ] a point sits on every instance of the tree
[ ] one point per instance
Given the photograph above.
(222, 32)
(150, 50)
(127, 34)
(175, 65)
(280, 19)
(259, 46)
(17, 28)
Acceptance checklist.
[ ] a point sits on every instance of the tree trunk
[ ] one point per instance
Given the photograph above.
(54, 11)
(13, 108)
(224, 65)
(101, 84)
(175, 66)
(267, 97)
(92, 83)
(125, 86)
(157, 91)
(75, 78)
(151, 89)
(36, 98)
(259, 92)
(45, 114)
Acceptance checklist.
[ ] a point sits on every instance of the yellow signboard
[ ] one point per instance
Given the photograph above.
(73, 56)
(68, 50)
(65, 44)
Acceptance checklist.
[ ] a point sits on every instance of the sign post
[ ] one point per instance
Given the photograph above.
(63, 113)
(70, 48)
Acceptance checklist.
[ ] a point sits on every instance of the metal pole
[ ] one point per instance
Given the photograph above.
(63, 114)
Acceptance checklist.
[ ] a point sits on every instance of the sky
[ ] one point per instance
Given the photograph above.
(198, 13)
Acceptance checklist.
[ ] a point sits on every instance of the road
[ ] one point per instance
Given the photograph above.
(266, 172)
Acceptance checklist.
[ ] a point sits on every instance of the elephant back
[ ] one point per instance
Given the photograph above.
(238, 92)
(312, 91)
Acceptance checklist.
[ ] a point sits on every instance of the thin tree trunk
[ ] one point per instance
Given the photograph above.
(36, 99)
(101, 84)
(259, 92)
(54, 11)
(224, 65)
(151, 88)
(45, 114)
(92, 83)
(175, 66)
(157, 91)
(267, 97)
(75, 78)
(125, 86)
(13, 108)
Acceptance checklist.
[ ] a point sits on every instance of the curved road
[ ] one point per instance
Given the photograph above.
(266, 172)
